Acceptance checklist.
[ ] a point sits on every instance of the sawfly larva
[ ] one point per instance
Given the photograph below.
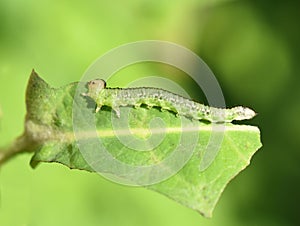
(119, 97)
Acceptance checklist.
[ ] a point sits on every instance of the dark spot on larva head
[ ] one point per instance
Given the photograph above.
(96, 85)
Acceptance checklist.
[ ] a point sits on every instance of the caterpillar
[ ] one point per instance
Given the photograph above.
(119, 97)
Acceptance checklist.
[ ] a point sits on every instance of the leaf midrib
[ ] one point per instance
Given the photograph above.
(69, 136)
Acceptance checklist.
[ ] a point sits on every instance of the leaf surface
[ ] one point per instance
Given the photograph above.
(141, 137)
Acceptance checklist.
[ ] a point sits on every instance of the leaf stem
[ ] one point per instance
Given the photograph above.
(21, 145)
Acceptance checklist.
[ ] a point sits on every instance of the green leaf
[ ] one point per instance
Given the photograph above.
(49, 123)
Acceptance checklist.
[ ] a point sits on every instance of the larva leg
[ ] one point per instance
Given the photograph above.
(165, 108)
(98, 108)
(137, 105)
(149, 106)
(117, 111)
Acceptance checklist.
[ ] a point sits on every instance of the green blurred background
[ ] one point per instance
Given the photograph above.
(253, 49)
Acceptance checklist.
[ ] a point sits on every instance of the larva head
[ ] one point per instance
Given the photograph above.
(95, 87)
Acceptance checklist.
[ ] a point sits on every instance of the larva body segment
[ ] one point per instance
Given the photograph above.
(117, 97)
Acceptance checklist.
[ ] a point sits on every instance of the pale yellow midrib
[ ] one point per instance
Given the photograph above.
(71, 136)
